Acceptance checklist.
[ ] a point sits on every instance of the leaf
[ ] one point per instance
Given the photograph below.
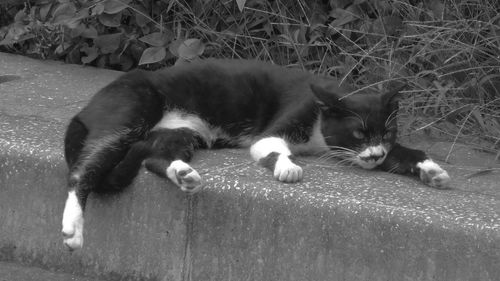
(110, 20)
(173, 47)
(73, 56)
(21, 16)
(152, 55)
(64, 13)
(98, 9)
(102, 61)
(108, 43)
(156, 39)
(44, 11)
(191, 48)
(83, 31)
(75, 32)
(91, 52)
(479, 118)
(241, 4)
(181, 61)
(62, 47)
(17, 32)
(141, 20)
(141, 17)
(115, 6)
(83, 13)
(89, 32)
(124, 61)
(343, 17)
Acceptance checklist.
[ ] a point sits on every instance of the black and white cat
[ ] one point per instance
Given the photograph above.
(160, 118)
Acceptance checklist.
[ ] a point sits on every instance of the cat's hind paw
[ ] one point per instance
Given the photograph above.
(433, 175)
(72, 223)
(184, 176)
(286, 171)
(73, 239)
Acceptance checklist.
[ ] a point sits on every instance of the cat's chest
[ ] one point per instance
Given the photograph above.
(316, 143)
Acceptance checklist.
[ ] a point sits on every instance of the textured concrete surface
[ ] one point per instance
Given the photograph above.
(16, 272)
(340, 223)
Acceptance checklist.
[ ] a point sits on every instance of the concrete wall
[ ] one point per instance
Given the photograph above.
(340, 223)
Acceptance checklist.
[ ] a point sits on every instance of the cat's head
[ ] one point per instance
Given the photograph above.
(360, 128)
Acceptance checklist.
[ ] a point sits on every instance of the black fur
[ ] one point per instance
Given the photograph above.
(247, 99)
(108, 140)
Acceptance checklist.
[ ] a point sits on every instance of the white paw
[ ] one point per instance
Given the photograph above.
(286, 171)
(433, 175)
(72, 222)
(184, 176)
(73, 236)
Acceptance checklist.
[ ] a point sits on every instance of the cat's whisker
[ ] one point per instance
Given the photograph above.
(337, 154)
(365, 121)
(343, 163)
(337, 148)
(394, 168)
(391, 117)
(341, 157)
(344, 151)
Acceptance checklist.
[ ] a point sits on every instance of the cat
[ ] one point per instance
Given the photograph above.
(160, 118)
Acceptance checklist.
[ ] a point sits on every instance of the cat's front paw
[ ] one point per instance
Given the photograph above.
(286, 171)
(184, 176)
(433, 175)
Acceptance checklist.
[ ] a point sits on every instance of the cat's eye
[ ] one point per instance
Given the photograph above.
(358, 134)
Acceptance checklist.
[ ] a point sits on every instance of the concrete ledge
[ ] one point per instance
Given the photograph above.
(339, 224)
(16, 272)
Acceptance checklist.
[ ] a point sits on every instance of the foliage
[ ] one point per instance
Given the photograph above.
(446, 51)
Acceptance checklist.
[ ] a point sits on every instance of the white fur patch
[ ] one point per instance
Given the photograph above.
(372, 151)
(315, 144)
(433, 175)
(72, 222)
(265, 146)
(184, 176)
(178, 119)
(286, 171)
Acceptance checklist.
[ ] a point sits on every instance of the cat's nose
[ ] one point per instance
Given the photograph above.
(374, 157)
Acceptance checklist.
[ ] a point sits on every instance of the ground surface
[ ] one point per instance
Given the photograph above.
(16, 272)
(340, 223)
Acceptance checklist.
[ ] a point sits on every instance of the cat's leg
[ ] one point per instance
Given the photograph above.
(72, 223)
(274, 154)
(403, 160)
(172, 149)
(123, 173)
(92, 162)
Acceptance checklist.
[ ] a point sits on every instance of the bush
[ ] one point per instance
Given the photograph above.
(446, 51)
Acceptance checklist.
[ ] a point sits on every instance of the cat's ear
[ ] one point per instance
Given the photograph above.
(392, 97)
(326, 98)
